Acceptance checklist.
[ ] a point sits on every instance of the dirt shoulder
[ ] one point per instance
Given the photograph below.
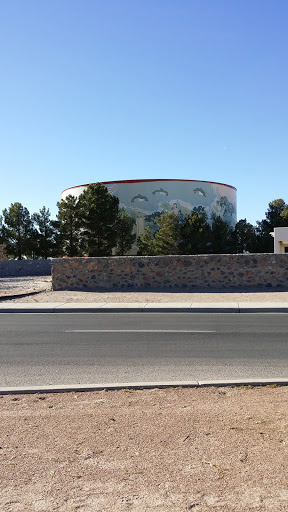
(216, 449)
(38, 289)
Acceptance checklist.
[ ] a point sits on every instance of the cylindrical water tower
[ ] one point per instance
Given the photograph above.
(145, 200)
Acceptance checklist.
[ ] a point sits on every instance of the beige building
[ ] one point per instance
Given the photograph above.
(280, 236)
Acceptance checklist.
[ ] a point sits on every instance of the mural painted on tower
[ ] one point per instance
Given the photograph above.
(145, 200)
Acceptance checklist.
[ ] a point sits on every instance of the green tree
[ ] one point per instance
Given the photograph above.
(284, 215)
(69, 225)
(221, 237)
(17, 231)
(264, 241)
(1, 228)
(146, 243)
(45, 233)
(195, 234)
(273, 218)
(57, 250)
(3, 255)
(273, 213)
(244, 237)
(99, 218)
(167, 238)
(125, 237)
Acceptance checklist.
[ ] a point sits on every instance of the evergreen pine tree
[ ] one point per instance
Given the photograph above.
(17, 231)
(45, 233)
(195, 232)
(244, 237)
(221, 237)
(69, 223)
(167, 238)
(99, 213)
(145, 243)
(125, 237)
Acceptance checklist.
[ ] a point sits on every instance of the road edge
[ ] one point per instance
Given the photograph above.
(70, 388)
(229, 307)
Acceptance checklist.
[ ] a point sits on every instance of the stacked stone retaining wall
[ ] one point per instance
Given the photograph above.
(23, 268)
(171, 272)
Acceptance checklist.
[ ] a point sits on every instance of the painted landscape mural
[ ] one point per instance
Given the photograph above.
(145, 200)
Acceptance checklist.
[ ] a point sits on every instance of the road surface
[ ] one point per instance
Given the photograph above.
(50, 349)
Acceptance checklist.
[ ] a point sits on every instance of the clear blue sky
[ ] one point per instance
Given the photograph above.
(98, 90)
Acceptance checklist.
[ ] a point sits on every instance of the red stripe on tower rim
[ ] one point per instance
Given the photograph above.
(152, 180)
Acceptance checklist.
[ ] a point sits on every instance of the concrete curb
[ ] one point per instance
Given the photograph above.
(68, 388)
(194, 307)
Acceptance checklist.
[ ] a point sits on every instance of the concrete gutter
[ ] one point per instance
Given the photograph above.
(184, 307)
(69, 388)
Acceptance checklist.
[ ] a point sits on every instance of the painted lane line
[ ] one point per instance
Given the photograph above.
(136, 330)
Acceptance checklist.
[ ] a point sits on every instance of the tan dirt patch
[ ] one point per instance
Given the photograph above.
(15, 287)
(199, 450)
(43, 285)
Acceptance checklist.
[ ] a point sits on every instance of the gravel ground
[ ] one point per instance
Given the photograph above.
(38, 289)
(15, 283)
(17, 286)
(173, 450)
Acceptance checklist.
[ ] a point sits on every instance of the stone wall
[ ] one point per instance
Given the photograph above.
(22, 268)
(171, 272)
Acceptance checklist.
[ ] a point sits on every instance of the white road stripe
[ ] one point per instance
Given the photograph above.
(136, 330)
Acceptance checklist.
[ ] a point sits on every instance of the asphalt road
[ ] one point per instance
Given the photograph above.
(45, 349)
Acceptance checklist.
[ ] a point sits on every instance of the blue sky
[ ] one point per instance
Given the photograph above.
(132, 89)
